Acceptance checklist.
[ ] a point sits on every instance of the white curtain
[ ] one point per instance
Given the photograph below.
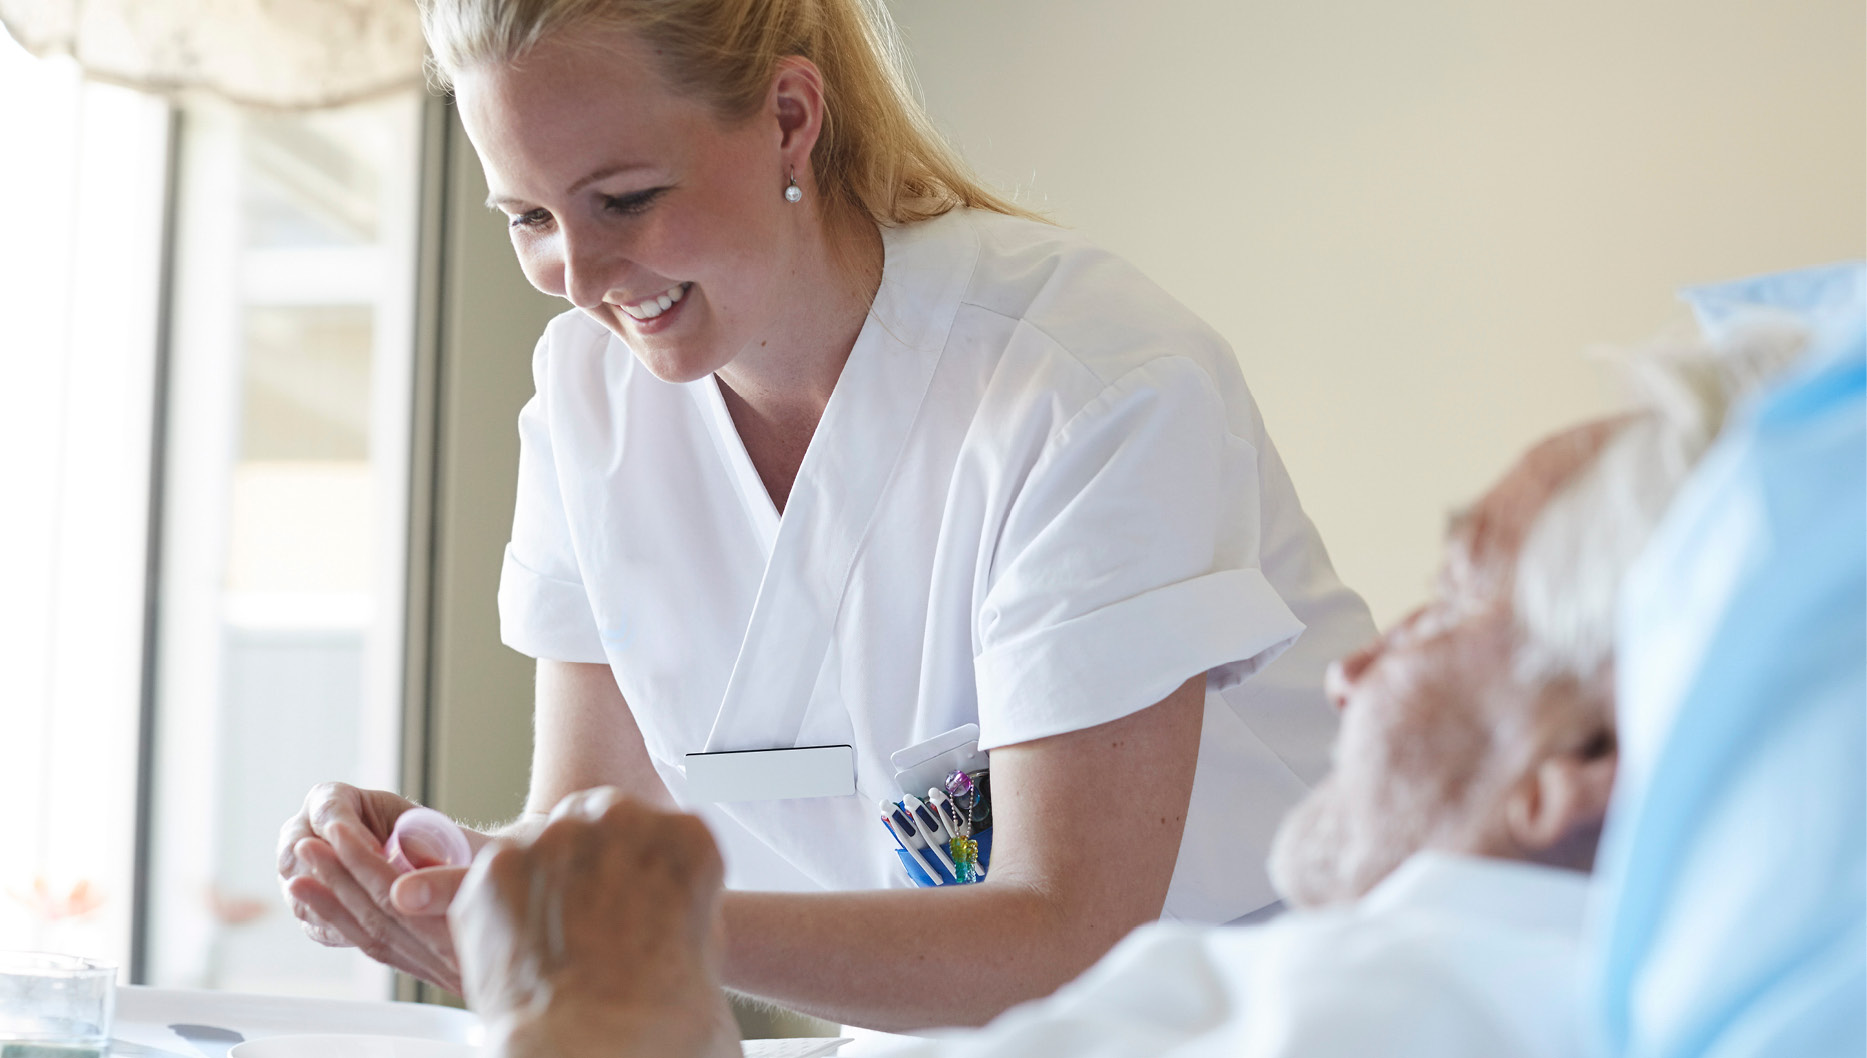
(269, 53)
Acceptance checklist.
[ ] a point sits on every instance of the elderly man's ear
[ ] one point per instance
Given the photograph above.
(1553, 814)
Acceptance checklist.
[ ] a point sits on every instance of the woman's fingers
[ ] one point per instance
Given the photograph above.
(332, 933)
(428, 891)
(378, 879)
(320, 915)
(322, 904)
(295, 830)
(363, 859)
(378, 931)
(326, 804)
(338, 883)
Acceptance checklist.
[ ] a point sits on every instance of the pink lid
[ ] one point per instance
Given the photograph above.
(431, 836)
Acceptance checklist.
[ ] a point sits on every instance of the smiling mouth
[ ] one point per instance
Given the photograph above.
(650, 308)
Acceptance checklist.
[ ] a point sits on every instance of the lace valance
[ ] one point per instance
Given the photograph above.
(271, 53)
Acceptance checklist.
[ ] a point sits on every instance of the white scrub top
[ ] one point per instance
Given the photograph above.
(1039, 499)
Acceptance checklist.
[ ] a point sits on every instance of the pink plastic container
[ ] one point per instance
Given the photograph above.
(431, 836)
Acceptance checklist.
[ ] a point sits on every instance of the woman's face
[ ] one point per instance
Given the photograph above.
(639, 206)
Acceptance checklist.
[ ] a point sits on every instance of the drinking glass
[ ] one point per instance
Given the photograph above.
(55, 1006)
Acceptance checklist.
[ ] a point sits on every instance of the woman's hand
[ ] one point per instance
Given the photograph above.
(339, 884)
(603, 928)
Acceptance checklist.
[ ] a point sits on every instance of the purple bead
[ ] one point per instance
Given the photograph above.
(959, 787)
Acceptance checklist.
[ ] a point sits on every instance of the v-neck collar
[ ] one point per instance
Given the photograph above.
(761, 512)
(846, 469)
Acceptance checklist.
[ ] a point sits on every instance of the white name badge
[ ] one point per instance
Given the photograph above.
(772, 774)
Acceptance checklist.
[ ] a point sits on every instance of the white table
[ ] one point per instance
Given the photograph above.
(177, 1023)
(211, 1022)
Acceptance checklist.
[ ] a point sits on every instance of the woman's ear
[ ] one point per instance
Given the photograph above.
(1554, 813)
(797, 103)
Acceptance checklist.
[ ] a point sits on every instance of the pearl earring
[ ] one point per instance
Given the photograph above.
(792, 192)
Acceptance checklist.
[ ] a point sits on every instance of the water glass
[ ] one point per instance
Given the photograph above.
(55, 1006)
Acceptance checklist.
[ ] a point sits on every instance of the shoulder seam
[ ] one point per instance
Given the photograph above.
(1105, 381)
(1076, 416)
(1021, 321)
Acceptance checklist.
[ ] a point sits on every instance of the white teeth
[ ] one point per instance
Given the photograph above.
(655, 306)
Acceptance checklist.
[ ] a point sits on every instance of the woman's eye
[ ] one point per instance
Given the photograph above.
(631, 204)
(537, 218)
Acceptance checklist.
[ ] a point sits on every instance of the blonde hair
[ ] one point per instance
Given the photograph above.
(878, 153)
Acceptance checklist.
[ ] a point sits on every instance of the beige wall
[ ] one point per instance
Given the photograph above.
(1410, 219)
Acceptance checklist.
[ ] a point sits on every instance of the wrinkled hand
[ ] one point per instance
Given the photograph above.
(338, 883)
(604, 928)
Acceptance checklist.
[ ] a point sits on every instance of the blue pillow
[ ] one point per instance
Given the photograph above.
(1733, 871)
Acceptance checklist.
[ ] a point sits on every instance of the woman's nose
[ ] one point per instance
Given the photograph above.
(586, 273)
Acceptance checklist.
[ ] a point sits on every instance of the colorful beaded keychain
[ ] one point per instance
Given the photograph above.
(963, 809)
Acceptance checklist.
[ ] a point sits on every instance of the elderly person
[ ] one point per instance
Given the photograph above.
(1440, 870)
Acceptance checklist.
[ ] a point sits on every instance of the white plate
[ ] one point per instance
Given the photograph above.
(330, 1045)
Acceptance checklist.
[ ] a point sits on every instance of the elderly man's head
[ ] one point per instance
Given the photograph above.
(1483, 722)
(1445, 743)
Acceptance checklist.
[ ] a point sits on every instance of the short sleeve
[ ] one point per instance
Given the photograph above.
(544, 611)
(1128, 563)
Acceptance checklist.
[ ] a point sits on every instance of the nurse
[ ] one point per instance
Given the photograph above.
(839, 449)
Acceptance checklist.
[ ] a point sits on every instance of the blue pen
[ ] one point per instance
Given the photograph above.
(942, 806)
(903, 817)
(934, 832)
(903, 830)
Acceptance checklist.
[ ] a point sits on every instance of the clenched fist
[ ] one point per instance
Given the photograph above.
(601, 935)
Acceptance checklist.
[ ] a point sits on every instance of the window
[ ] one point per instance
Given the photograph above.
(274, 479)
(284, 500)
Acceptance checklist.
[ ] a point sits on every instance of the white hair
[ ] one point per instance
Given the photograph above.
(1575, 555)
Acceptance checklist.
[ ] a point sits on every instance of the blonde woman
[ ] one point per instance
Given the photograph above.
(839, 452)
